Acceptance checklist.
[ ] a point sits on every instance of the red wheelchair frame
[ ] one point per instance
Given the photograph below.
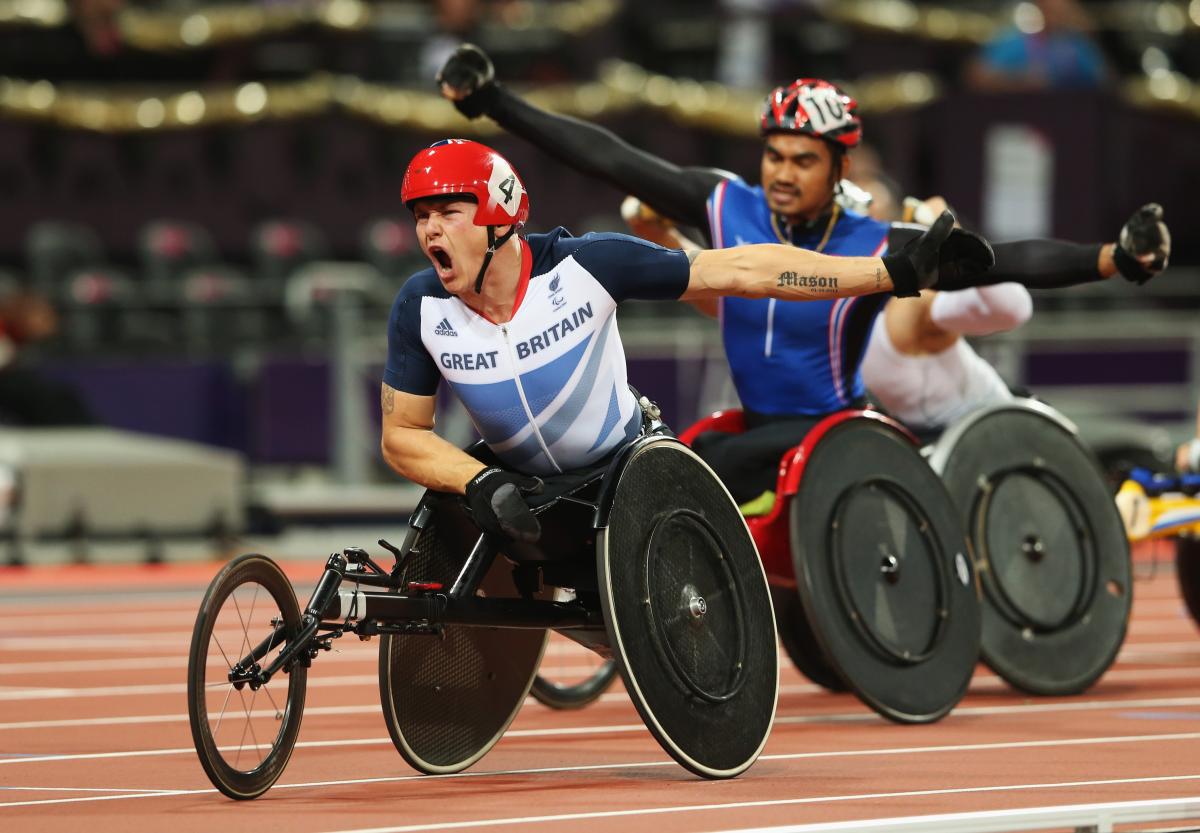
(771, 532)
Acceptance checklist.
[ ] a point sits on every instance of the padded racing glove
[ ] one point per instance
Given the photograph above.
(469, 80)
(1143, 235)
(943, 254)
(494, 497)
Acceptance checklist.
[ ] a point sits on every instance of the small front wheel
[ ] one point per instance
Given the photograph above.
(245, 733)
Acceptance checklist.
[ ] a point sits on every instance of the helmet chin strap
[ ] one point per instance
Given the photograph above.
(494, 243)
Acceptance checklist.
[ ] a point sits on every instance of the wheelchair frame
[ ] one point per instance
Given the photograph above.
(393, 605)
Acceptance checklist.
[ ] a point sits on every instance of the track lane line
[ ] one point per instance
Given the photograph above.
(778, 802)
(637, 727)
(865, 715)
(646, 811)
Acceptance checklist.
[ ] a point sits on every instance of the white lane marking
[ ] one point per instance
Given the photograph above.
(777, 802)
(14, 693)
(738, 805)
(1079, 816)
(865, 716)
(981, 680)
(136, 792)
(137, 719)
(172, 660)
(639, 727)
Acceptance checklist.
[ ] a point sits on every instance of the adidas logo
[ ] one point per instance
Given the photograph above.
(444, 329)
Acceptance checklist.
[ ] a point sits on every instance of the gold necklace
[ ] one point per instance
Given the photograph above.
(833, 218)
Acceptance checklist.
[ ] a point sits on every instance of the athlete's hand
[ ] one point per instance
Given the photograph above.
(494, 496)
(924, 211)
(469, 80)
(1144, 245)
(942, 255)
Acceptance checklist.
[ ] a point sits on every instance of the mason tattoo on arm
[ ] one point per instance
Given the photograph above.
(822, 284)
(387, 399)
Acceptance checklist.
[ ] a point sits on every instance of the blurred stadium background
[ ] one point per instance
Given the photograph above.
(201, 233)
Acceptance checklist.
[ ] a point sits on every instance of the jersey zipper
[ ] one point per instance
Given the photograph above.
(512, 361)
(770, 328)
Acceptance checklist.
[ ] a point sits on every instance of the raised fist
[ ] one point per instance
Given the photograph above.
(469, 80)
(1144, 245)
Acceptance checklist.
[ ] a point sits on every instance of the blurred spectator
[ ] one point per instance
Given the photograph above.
(1049, 46)
(25, 397)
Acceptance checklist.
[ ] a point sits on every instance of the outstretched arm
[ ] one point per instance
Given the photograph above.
(771, 270)
(982, 310)
(1142, 250)
(468, 80)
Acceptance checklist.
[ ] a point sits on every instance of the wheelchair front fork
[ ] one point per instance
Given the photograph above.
(248, 671)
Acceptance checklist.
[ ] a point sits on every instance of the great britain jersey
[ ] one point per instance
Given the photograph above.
(548, 390)
(794, 357)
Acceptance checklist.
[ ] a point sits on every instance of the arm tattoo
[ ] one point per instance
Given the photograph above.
(387, 399)
(878, 278)
(819, 284)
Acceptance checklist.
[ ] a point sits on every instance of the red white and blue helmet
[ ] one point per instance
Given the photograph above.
(460, 166)
(813, 107)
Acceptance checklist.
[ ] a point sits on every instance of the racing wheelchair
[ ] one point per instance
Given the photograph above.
(665, 581)
(1053, 558)
(867, 561)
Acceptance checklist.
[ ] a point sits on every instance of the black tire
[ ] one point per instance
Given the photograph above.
(799, 641)
(1187, 570)
(235, 616)
(687, 609)
(574, 695)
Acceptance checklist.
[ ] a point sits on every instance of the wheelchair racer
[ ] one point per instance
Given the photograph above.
(523, 329)
(917, 366)
(792, 364)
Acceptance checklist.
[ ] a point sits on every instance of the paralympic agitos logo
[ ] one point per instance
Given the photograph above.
(556, 296)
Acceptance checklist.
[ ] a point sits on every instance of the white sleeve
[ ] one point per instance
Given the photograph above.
(982, 310)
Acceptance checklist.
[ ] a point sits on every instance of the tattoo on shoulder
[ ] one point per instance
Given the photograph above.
(387, 399)
(818, 284)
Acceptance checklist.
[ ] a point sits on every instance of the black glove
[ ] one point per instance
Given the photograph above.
(494, 496)
(1143, 234)
(469, 80)
(942, 256)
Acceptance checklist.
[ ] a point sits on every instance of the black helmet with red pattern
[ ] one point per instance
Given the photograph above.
(816, 108)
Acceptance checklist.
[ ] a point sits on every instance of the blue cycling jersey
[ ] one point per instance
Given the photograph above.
(547, 390)
(794, 357)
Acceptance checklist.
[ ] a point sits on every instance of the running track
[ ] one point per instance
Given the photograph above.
(94, 736)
